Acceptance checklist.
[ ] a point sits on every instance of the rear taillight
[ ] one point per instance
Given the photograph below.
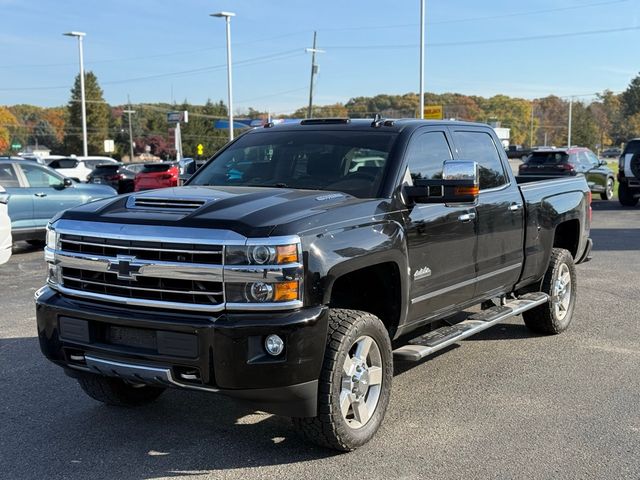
(568, 167)
(115, 177)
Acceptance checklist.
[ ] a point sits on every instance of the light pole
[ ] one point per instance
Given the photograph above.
(79, 35)
(422, 59)
(227, 16)
(314, 71)
(129, 112)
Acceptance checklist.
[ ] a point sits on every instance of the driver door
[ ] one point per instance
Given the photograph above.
(48, 192)
(441, 238)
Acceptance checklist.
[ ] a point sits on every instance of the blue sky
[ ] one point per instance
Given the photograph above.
(137, 47)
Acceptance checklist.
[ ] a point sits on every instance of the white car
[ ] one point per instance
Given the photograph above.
(78, 168)
(5, 228)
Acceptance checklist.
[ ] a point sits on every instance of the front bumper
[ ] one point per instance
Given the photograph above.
(222, 353)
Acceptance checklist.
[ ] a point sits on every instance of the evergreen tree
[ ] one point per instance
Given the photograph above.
(98, 117)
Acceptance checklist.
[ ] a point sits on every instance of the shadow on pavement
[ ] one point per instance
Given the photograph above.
(52, 430)
(609, 205)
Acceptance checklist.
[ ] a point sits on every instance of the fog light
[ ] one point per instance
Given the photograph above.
(274, 345)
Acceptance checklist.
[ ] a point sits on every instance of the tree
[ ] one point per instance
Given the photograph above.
(584, 130)
(43, 133)
(631, 98)
(8, 124)
(98, 116)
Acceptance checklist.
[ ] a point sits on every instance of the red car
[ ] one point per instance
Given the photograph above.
(157, 175)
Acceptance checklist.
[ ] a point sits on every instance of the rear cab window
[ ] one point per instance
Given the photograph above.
(478, 146)
(547, 158)
(156, 167)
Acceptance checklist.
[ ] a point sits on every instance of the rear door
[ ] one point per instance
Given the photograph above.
(500, 211)
(441, 239)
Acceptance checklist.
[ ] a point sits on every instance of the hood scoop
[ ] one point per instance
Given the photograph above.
(174, 204)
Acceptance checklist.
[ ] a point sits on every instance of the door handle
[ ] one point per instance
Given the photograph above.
(40, 194)
(514, 207)
(466, 217)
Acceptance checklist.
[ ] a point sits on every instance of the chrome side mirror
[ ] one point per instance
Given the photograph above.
(459, 184)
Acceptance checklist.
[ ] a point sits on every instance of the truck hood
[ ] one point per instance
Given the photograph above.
(250, 211)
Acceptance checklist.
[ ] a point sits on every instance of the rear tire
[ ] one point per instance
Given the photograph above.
(608, 190)
(559, 282)
(625, 196)
(116, 392)
(355, 382)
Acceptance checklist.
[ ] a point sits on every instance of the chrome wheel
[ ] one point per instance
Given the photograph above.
(609, 190)
(361, 382)
(562, 292)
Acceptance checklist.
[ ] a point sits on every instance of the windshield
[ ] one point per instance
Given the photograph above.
(547, 158)
(352, 162)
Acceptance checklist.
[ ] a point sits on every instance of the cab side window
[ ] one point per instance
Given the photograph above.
(39, 177)
(479, 147)
(426, 155)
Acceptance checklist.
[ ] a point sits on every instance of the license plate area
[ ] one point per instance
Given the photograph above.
(131, 337)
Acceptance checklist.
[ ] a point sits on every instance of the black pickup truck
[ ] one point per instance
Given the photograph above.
(292, 268)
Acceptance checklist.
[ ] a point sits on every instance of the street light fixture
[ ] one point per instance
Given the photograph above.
(79, 35)
(227, 16)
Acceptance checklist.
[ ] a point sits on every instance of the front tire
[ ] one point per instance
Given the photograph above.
(559, 282)
(116, 392)
(355, 382)
(608, 190)
(625, 196)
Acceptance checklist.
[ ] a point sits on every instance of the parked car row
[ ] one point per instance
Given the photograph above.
(559, 162)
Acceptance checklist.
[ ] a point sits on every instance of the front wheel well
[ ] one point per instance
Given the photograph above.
(374, 289)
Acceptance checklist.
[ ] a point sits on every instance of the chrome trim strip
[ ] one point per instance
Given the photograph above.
(293, 304)
(133, 371)
(127, 287)
(275, 241)
(149, 268)
(450, 288)
(266, 273)
(138, 302)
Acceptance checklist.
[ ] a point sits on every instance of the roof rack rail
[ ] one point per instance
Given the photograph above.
(377, 121)
(325, 121)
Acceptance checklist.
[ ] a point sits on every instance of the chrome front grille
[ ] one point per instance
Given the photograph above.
(142, 272)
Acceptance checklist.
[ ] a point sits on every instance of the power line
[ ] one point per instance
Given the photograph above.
(484, 42)
(242, 63)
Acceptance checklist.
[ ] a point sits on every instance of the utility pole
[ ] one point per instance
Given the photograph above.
(531, 139)
(129, 112)
(314, 72)
(569, 128)
(422, 8)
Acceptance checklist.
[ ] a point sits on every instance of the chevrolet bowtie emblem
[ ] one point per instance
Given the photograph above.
(125, 267)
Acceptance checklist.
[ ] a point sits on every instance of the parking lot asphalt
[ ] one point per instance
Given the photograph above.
(504, 404)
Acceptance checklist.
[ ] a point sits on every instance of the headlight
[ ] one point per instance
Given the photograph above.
(261, 254)
(52, 238)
